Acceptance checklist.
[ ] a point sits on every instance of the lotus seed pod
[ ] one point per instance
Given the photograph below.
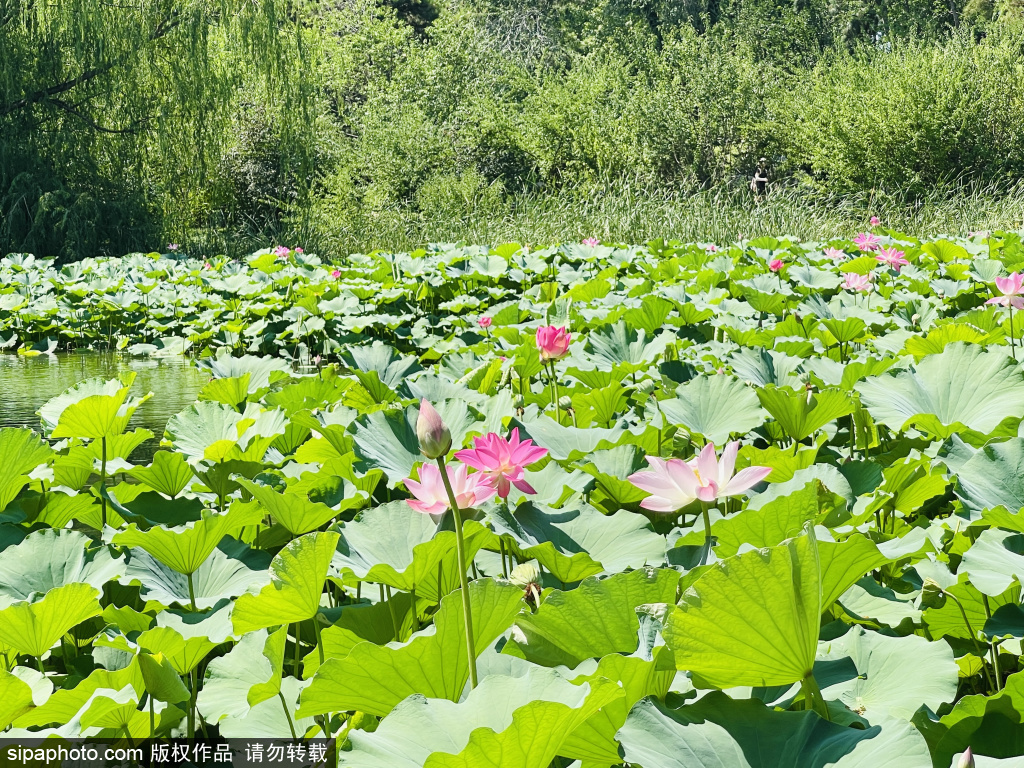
(433, 434)
(932, 595)
(966, 759)
(646, 387)
(565, 403)
(524, 574)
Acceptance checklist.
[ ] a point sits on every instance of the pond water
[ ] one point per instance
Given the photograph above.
(26, 383)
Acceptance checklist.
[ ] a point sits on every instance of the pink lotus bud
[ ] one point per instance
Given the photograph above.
(299, 250)
(775, 265)
(552, 342)
(335, 273)
(484, 322)
(435, 439)
(592, 242)
(966, 759)
(875, 221)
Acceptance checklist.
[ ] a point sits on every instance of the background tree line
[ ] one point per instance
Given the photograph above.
(347, 124)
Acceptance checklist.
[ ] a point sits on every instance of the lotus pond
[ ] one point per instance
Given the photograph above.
(666, 506)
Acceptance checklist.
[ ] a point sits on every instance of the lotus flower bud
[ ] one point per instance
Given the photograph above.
(519, 402)
(565, 403)
(915, 319)
(932, 595)
(966, 759)
(525, 574)
(646, 387)
(434, 437)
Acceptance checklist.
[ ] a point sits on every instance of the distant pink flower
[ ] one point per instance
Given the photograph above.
(775, 265)
(484, 321)
(982, 233)
(875, 221)
(854, 282)
(866, 241)
(431, 496)
(711, 248)
(281, 252)
(553, 342)
(173, 246)
(1011, 287)
(207, 265)
(299, 250)
(675, 483)
(835, 254)
(592, 242)
(893, 257)
(502, 460)
(336, 273)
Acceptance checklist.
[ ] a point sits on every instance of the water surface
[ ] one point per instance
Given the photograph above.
(26, 383)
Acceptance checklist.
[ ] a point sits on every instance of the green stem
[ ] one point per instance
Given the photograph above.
(707, 533)
(812, 693)
(191, 592)
(974, 638)
(319, 640)
(287, 714)
(504, 566)
(192, 706)
(460, 552)
(394, 614)
(298, 652)
(102, 481)
(993, 648)
(1013, 349)
(152, 719)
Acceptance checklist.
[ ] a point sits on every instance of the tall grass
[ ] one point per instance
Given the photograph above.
(635, 213)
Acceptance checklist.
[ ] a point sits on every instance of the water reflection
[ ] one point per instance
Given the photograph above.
(26, 383)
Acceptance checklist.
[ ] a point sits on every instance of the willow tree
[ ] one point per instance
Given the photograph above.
(110, 109)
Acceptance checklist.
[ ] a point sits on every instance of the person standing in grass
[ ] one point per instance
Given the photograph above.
(759, 183)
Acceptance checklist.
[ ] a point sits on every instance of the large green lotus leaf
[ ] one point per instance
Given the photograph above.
(229, 571)
(963, 387)
(168, 473)
(752, 619)
(638, 677)
(62, 706)
(33, 628)
(391, 367)
(714, 407)
(613, 345)
(185, 638)
(94, 408)
(511, 722)
(148, 508)
(990, 725)
(871, 602)
(186, 547)
(567, 443)
(718, 732)
(375, 678)
(948, 620)
(553, 485)
(396, 545)
(987, 478)
(294, 511)
(994, 561)
(801, 414)
(298, 574)
(578, 541)
(214, 431)
(48, 559)
(15, 698)
(267, 719)
(260, 369)
(595, 619)
(161, 679)
(248, 674)
(21, 451)
(895, 676)
(387, 441)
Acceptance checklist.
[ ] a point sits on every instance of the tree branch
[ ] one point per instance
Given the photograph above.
(73, 111)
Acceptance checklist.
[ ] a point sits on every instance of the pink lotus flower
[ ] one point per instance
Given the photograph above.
(299, 250)
(982, 233)
(775, 265)
(592, 242)
(484, 322)
(553, 342)
(1011, 287)
(502, 460)
(892, 257)
(207, 265)
(867, 241)
(711, 248)
(431, 496)
(675, 483)
(835, 254)
(875, 221)
(281, 252)
(336, 273)
(173, 246)
(854, 282)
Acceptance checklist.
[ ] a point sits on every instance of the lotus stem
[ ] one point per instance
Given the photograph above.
(319, 639)
(298, 653)
(812, 693)
(1013, 349)
(974, 638)
(152, 718)
(993, 647)
(103, 482)
(504, 565)
(287, 714)
(707, 533)
(394, 615)
(460, 552)
(191, 592)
